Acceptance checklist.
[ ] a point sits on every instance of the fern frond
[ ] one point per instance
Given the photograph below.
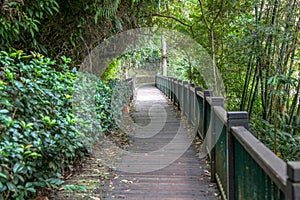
(107, 9)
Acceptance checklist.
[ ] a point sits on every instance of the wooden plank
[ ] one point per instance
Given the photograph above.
(186, 177)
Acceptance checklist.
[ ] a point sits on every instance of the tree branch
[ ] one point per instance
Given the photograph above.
(173, 18)
(219, 12)
(169, 17)
(203, 15)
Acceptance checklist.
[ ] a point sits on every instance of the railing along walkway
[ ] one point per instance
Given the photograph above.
(162, 163)
(242, 166)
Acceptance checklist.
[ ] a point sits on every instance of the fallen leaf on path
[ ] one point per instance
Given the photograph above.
(95, 198)
(126, 181)
(207, 173)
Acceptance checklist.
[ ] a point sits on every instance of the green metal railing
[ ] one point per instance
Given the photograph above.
(175, 92)
(220, 155)
(185, 98)
(180, 90)
(251, 181)
(192, 105)
(267, 177)
(242, 166)
(199, 112)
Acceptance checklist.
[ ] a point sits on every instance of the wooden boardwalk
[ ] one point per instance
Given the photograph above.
(162, 162)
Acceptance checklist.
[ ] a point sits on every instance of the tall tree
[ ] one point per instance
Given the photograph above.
(163, 55)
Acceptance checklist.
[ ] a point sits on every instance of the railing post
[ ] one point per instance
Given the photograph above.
(163, 83)
(160, 83)
(174, 91)
(133, 86)
(233, 119)
(183, 97)
(207, 93)
(197, 89)
(179, 89)
(293, 181)
(215, 101)
(167, 87)
(170, 88)
(191, 96)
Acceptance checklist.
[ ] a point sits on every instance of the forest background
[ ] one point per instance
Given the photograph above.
(254, 45)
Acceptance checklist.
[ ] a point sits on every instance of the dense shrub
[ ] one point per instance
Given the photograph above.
(84, 109)
(98, 106)
(111, 97)
(49, 116)
(38, 136)
(103, 106)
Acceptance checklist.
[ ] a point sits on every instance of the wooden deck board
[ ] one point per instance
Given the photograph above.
(149, 177)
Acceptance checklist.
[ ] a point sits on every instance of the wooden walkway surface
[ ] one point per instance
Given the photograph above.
(162, 162)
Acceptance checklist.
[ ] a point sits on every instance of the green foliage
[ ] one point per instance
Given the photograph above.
(113, 70)
(49, 116)
(132, 61)
(20, 21)
(38, 137)
(60, 27)
(83, 105)
(107, 10)
(144, 58)
(78, 188)
(110, 100)
(103, 106)
(121, 97)
(287, 145)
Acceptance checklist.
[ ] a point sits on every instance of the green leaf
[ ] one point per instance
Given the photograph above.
(29, 125)
(4, 111)
(9, 74)
(33, 154)
(18, 167)
(32, 32)
(11, 186)
(3, 175)
(31, 189)
(18, 84)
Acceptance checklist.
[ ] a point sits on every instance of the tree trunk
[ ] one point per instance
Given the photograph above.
(164, 57)
(213, 57)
